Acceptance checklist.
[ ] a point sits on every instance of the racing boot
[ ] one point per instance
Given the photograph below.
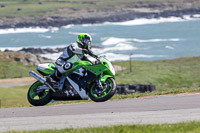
(53, 78)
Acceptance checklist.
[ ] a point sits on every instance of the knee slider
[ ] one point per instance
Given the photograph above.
(67, 66)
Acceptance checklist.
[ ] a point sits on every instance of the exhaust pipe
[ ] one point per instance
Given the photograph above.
(42, 80)
(38, 77)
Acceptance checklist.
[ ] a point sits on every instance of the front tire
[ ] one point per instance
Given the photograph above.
(108, 91)
(40, 99)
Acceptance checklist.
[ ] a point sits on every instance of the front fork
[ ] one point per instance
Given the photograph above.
(99, 84)
(102, 88)
(98, 81)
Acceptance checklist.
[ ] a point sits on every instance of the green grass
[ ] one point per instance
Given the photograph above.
(17, 96)
(14, 70)
(14, 97)
(188, 127)
(50, 7)
(10, 68)
(177, 73)
(32, 9)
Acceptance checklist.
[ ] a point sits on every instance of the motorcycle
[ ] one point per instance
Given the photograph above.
(84, 81)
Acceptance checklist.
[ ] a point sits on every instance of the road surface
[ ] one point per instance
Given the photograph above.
(6, 83)
(149, 110)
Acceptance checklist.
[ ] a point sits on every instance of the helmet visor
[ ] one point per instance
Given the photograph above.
(89, 44)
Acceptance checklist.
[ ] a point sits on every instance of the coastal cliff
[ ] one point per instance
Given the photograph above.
(86, 11)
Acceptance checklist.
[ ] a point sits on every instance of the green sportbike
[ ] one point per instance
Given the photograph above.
(85, 80)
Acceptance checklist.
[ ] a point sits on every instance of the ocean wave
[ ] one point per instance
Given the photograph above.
(44, 36)
(23, 30)
(74, 33)
(114, 40)
(54, 29)
(116, 57)
(196, 15)
(118, 47)
(95, 24)
(157, 40)
(169, 47)
(52, 56)
(68, 26)
(10, 48)
(143, 21)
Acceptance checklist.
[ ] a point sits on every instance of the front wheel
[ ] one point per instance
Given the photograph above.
(38, 98)
(101, 95)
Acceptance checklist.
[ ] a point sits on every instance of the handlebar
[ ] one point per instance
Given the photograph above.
(98, 61)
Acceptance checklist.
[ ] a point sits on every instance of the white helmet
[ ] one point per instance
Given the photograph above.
(84, 40)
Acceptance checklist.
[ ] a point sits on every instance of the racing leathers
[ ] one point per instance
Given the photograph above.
(71, 54)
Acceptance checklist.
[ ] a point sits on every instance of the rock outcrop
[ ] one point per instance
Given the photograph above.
(23, 58)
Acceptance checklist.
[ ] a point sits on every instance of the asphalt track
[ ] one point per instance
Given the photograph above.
(149, 110)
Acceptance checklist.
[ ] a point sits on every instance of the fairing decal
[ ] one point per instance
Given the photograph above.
(46, 69)
(81, 92)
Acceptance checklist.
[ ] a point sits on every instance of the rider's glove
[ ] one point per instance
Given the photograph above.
(91, 54)
(95, 56)
(85, 51)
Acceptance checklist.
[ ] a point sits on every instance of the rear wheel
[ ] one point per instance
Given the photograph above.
(101, 95)
(38, 98)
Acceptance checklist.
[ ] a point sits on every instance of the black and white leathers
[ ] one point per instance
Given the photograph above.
(70, 55)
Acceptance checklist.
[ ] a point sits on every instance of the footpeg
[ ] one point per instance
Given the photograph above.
(66, 92)
(71, 93)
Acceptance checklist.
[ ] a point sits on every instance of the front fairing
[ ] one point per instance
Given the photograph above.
(96, 69)
(105, 68)
(46, 69)
(106, 63)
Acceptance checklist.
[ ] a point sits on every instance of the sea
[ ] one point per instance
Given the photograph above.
(139, 39)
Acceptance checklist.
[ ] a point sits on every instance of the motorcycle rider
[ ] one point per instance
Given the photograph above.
(74, 52)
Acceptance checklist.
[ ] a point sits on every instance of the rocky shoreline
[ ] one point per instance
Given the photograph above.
(94, 17)
(41, 50)
(23, 58)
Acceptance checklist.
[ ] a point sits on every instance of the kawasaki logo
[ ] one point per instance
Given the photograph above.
(93, 70)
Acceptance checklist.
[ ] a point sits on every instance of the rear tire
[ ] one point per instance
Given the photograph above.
(107, 95)
(43, 99)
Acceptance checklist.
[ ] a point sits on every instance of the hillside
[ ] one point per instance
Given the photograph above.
(16, 64)
(56, 13)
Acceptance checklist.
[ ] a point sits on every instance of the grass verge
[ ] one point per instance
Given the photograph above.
(188, 127)
(17, 96)
(165, 74)
(14, 70)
